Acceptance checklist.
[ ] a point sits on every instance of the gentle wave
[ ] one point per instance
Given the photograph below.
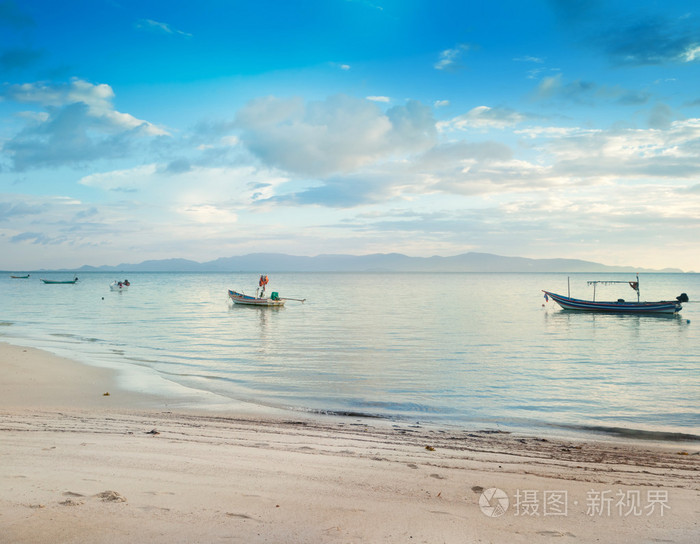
(637, 434)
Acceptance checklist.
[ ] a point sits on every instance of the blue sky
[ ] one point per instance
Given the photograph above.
(150, 130)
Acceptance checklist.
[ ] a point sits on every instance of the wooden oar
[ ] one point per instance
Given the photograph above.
(297, 299)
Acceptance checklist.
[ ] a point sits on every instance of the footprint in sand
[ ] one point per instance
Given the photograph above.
(71, 502)
(555, 533)
(154, 509)
(72, 494)
(72, 499)
(158, 493)
(243, 516)
(110, 496)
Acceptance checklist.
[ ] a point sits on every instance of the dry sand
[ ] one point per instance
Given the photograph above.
(78, 466)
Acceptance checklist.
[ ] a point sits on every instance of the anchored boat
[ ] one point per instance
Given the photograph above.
(119, 285)
(260, 299)
(74, 280)
(240, 298)
(620, 305)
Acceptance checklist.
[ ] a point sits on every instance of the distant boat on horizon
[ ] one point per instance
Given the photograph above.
(74, 280)
(119, 285)
(19, 277)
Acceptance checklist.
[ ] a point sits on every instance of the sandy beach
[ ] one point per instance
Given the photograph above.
(77, 465)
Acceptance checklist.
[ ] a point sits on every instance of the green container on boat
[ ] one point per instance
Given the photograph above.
(275, 295)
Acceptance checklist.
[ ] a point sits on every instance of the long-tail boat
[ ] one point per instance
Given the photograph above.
(620, 305)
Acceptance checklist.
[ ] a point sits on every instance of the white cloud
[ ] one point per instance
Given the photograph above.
(528, 58)
(127, 180)
(632, 152)
(339, 134)
(692, 53)
(378, 98)
(535, 132)
(78, 124)
(483, 117)
(230, 141)
(555, 158)
(162, 28)
(449, 58)
(549, 86)
(208, 213)
(97, 98)
(195, 188)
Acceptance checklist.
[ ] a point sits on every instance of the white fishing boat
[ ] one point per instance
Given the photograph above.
(119, 285)
(274, 300)
(240, 298)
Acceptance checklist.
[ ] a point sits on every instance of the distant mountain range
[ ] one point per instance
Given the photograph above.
(378, 262)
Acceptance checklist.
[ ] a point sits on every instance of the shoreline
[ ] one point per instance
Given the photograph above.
(136, 386)
(80, 466)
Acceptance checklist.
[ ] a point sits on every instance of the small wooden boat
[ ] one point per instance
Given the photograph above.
(74, 280)
(119, 285)
(19, 277)
(620, 305)
(240, 298)
(260, 299)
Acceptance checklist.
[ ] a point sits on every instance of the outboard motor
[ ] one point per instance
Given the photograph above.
(682, 297)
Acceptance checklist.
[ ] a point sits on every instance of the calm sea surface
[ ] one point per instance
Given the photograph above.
(472, 350)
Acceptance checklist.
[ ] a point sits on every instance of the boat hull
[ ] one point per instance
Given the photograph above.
(661, 307)
(59, 281)
(246, 300)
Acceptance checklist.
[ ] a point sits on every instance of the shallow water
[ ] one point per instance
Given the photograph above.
(464, 349)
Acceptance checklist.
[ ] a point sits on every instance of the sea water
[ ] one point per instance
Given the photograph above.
(466, 349)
